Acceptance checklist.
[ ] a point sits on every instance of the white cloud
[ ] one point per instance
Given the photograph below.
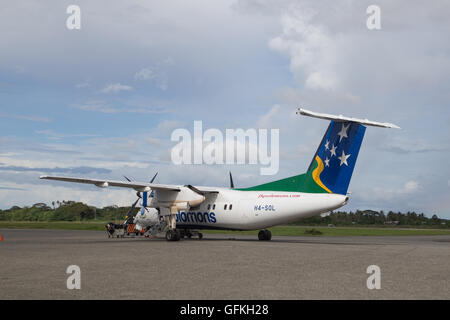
(144, 74)
(402, 144)
(388, 194)
(25, 117)
(115, 88)
(50, 134)
(158, 73)
(154, 141)
(98, 106)
(266, 121)
(410, 186)
(84, 84)
(102, 106)
(166, 126)
(331, 50)
(309, 46)
(317, 80)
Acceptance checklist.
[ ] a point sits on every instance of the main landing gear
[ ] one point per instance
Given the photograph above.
(177, 234)
(173, 235)
(265, 235)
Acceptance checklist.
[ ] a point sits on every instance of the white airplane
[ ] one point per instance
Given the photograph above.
(183, 209)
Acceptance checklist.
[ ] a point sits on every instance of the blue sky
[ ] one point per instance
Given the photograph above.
(102, 101)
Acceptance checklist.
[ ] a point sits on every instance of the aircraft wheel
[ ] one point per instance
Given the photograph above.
(264, 235)
(261, 235)
(200, 236)
(173, 235)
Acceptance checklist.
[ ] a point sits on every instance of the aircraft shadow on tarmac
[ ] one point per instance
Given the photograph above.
(206, 239)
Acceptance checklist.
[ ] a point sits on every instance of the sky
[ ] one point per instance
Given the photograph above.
(102, 101)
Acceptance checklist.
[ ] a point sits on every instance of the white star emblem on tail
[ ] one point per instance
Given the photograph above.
(333, 150)
(343, 133)
(344, 158)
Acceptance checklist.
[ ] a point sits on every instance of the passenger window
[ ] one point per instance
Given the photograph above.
(231, 206)
(214, 206)
(209, 206)
(225, 207)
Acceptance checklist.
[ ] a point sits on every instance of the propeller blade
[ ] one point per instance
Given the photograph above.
(153, 179)
(231, 181)
(132, 207)
(139, 195)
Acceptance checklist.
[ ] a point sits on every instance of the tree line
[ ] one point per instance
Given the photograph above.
(77, 211)
(371, 217)
(64, 211)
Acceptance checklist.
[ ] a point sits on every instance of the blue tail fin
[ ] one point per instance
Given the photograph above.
(337, 154)
(332, 167)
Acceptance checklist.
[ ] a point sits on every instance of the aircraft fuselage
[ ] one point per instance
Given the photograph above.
(252, 210)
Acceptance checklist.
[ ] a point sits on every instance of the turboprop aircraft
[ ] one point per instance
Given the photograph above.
(183, 209)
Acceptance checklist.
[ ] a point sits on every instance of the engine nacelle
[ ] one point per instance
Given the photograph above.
(102, 185)
(147, 218)
(183, 200)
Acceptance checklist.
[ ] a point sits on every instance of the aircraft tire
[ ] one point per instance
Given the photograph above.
(261, 235)
(173, 235)
(264, 235)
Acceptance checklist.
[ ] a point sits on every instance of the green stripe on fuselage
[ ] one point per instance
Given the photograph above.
(300, 183)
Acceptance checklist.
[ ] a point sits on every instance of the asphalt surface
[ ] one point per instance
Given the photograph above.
(33, 265)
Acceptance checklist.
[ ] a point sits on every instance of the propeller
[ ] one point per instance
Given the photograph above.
(139, 195)
(231, 181)
(130, 219)
(153, 179)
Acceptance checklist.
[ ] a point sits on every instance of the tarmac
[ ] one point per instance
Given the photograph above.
(33, 265)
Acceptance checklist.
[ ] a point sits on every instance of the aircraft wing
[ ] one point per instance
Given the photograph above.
(138, 186)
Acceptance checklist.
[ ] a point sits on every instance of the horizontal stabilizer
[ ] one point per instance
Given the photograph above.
(341, 118)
